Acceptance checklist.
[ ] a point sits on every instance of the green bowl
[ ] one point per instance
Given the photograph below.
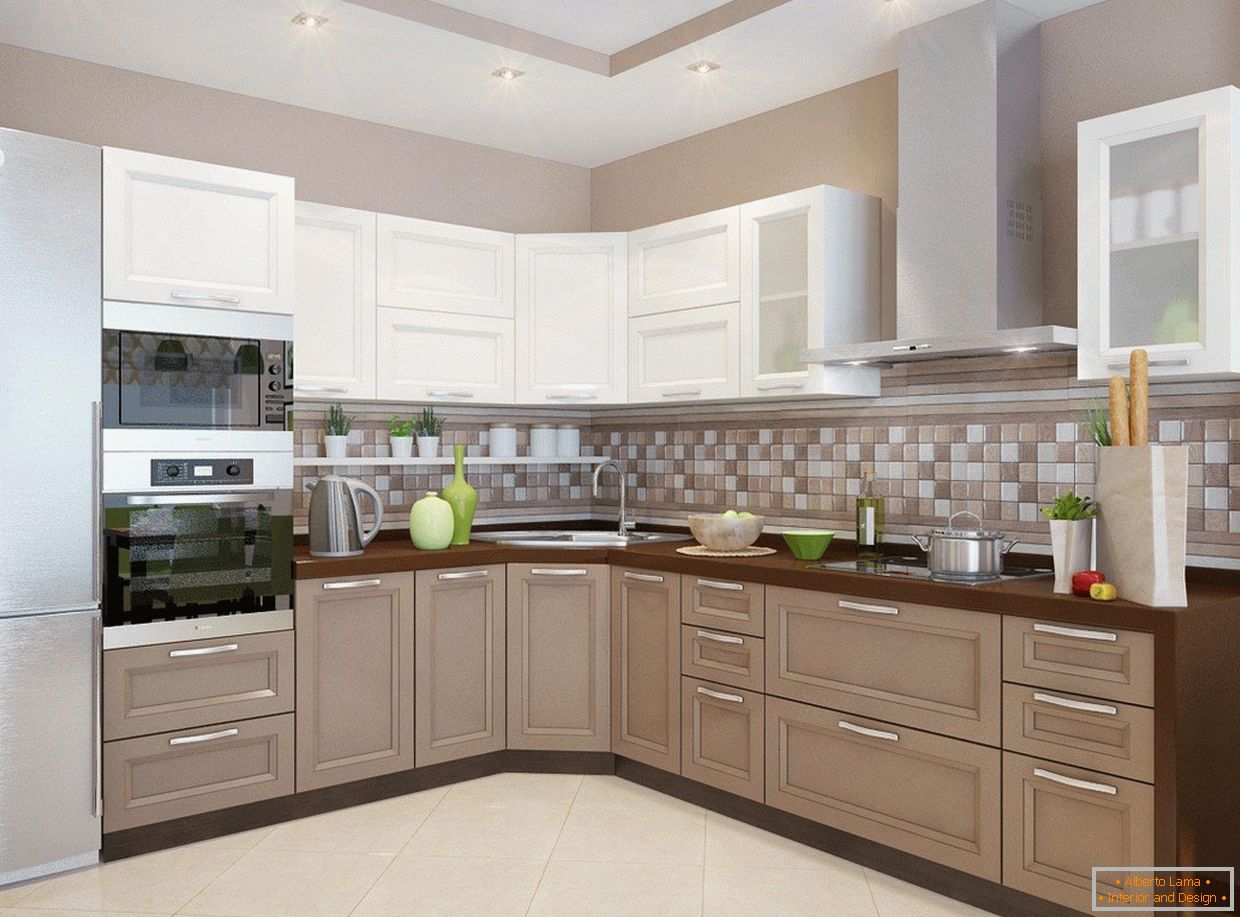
(808, 544)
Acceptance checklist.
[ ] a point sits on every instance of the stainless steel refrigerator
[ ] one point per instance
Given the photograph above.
(50, 332)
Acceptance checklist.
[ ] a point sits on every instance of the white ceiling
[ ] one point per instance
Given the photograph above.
(369, 65)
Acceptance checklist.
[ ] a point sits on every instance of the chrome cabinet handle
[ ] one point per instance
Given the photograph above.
(872, 609)
(572, 396)
(183, 499)
(778, 386)
(865, 731)
(204, 651)
(542, 571)
(1075, 783)
(643, 577)
(312, 387)
(203, 737)
(1075, 704)
(97, 708)
(353, 584)
(719, 584)
(438, 393)
(96, 496)
(721, 638)
(206, 297)
(686, 393)
(464, 574)
(1166, 361)
(720, 695)
(1076, 632)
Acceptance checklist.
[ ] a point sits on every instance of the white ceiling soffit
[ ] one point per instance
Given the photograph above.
(393, 70)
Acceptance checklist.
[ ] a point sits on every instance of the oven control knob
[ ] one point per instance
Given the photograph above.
(232, 470)
(275, 385)
(274, 369)
(172, 471)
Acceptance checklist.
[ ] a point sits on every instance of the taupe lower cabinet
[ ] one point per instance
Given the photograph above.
(459, 663)
(645, 667)
(723, 738)
(558, 657)
(354, 678)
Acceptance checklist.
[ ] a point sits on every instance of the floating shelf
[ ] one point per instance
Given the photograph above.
(1154, 242)
(372, 460)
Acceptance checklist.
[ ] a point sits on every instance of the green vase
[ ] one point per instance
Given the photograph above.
(430, 523)
(463, 499)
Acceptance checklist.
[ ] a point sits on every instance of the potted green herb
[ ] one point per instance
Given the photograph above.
(400, 435)
(336, 426)
(1072, 536)
(429, 428)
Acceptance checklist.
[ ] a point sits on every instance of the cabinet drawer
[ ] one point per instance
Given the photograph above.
(1110, 663)
(920, 665)
(727, 604)
(723, 741)
(149, 689)
(926, 794)
(1109, 737)
(728, 658)
(1060, 821)
(171, 775)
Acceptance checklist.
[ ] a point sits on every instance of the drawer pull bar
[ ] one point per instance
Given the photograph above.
(464, 574)
(204, 651)
(542, 571)
(643, 577)
(311, 387)
(719, 695)
(205, 297)
(721, 638)
(203, 737)
(353, 584)
(872, 609)
(1075, 704)
(1076, 632)
(440, 393)
(1073, 782)
(686, 393)
(719, 584)
(872, 733)
(780, 386)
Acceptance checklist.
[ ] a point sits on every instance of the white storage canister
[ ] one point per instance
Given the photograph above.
(502, 442)
(567, 440)
(543, 441)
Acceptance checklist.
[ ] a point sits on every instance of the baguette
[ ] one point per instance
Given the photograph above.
(1119, 412)
(1139, 397)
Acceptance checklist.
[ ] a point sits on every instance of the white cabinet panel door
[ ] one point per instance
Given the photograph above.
(442, 267)
(334, 348)
(194, 234)
(685, 263)
(685, 356)
(430, 356)
(571, 303)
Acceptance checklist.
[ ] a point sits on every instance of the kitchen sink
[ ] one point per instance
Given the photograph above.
(575, 538)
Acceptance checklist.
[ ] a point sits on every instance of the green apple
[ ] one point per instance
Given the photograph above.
(744, 515)
(730, 514)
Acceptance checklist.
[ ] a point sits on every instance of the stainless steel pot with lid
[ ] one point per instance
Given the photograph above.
(966, 554)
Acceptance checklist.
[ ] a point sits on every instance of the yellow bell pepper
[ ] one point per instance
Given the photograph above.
(1103, 592)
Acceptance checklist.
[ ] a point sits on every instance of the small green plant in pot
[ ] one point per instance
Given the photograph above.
(336, 427)
(400, 435)
(1072, 536)
(429, 428)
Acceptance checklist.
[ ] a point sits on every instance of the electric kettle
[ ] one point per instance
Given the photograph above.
(336, 517)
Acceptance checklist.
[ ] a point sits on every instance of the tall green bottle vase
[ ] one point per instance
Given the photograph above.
(463, 499)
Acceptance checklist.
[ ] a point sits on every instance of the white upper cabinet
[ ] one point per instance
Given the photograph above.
(434, 356)
(686, 263)
(442, 267)
(571, 303)
(689, 355)
(334, 348)
(193, 234)
(810, 277)
(1159, 237)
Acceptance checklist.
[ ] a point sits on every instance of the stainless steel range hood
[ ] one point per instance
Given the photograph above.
(969, 225)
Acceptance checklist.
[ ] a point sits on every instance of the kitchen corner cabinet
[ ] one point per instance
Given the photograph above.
(645, 667)
(335, 315)
(188, 233)
(1158, 237)
(459, 663)
(442, 267)
(690, 355)
(685, 263)
(354, 678)
(558, 657)
(570, 318)
(809, 277)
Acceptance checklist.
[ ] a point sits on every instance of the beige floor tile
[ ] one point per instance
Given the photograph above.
(604, 792)
(738, 891)
(639, 835)
(734, 843)
(296, 883)
(378, 827)
(415, 886)
(618, 890)
(238, 840)
(546, 792)
(13, 894)
(156, 882)
(896, 898)
(31, 912)
(504, 833)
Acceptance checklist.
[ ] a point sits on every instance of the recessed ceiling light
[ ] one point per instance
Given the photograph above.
(703, 66)
(507, 73)
(1020, 349)
(309, 20)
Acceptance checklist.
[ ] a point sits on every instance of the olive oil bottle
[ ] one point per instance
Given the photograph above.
(871, 514)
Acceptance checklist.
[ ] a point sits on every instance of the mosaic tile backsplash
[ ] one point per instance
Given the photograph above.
(998, 436)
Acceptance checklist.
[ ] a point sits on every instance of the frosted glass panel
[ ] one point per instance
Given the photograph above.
(783, 276)
(1155, 214)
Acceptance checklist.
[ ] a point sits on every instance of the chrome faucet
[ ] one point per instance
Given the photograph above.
(623, 525)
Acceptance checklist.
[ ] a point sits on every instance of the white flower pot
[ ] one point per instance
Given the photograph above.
(1072, 546)
(335, 446)
(428, 447)
(402, 446)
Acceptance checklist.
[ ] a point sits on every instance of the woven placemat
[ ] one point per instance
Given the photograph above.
(698, 550)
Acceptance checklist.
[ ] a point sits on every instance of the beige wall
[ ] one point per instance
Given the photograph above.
(335, 160)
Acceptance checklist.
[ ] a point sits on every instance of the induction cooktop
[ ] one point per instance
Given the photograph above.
(915, 567)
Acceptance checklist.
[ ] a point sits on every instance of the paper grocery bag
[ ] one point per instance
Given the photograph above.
(1143, 521)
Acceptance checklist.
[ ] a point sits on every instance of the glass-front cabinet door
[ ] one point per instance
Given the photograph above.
(1157, 246)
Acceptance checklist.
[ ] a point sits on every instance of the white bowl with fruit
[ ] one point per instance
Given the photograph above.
(727, 531)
